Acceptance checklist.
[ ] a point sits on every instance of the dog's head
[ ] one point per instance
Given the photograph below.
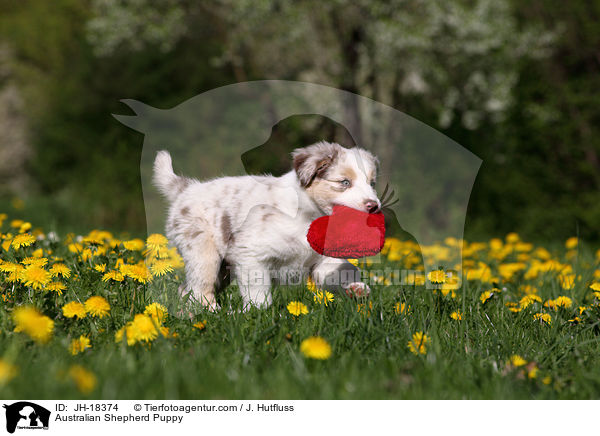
(334, 175)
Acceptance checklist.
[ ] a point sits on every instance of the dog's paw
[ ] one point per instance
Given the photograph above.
(357, 289)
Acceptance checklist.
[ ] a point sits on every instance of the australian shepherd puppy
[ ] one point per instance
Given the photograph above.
(256, 226)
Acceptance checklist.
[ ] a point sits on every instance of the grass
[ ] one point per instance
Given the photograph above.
(256, 354)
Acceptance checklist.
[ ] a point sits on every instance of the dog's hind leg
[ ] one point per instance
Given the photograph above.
(202, 264)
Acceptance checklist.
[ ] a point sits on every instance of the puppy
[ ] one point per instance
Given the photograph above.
(257, 225)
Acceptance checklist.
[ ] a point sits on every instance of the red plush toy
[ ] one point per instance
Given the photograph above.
(347, 233)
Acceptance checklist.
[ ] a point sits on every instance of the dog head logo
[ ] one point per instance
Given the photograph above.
(26, 415)
(431, 175)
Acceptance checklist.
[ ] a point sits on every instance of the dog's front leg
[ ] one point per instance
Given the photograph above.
(337, 275)
(254, 281)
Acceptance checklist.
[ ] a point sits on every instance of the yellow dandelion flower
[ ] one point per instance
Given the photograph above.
(75, 248)
(353, 261)
(512, 238)
(60, 269)
(113, 275)
(74, 309)
(57, 287)
(297, 308)
(134, 245)
(315, 347)
(165, 332)
(157, 312)
(311, 285)
(528, 300)
(92, 240)
(7, 242)
(8, 371)
(485, 296)
(79, 345)
(97, 306)
(513, 307)
(175, 258)
(156, 246)
(37, 261)
(15, 224)
(143, 328)
(456, 316)
(483, 273)
(138, 272)
(34, 276)
(417, 279)
(84, 379)
(323, 297)
(418, 344)
(516, 360)
(561, 301)
(101, 267)
(15, 275)
(547, 380)
(125, 330)
(30, 321)
(543, 317)
(23, 240)
(200, 325)
(528, 289)
(567, 281)
(10, 267)
(532, 371)
(13, 269)
(523, 246)
(437, 276)
(452, 283)
(156, 239)
(161, 267)
(595, 286)
(572, 243)
(401, 308)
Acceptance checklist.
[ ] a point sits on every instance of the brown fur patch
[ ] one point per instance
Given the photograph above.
(185, 211)
(179, 184)
(177, 224)
(349, 174)
(226, 228)
(320, 191)
(313, 161)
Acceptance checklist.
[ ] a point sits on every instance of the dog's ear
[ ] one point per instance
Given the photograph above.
(313, 161)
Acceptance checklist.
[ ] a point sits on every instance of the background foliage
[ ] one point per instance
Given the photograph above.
(514, 82)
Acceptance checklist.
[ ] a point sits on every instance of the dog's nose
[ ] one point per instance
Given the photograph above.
(372, 206)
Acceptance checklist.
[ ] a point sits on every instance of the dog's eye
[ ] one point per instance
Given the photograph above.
(345, 182)
(372, 183)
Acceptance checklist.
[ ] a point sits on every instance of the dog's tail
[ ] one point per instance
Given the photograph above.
(167, 182)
